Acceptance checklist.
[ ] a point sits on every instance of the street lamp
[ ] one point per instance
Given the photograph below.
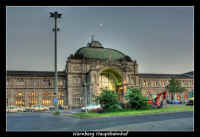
(85, 96)
(56, 16)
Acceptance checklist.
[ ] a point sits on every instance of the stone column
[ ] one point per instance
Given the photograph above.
(69, 98)
(65, 97)
(12, 97)
(65, 92)
(51, 94)
(40, 96)
(26, 98)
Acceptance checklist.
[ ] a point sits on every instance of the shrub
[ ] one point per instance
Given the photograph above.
(135, 98)
(56, 113)
(100, 111)
(108, 100)
(122, 105)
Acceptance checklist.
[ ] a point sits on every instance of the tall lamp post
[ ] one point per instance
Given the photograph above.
(85, 96)
(56, 16)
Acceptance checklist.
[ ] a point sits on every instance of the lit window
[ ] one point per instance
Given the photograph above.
(46, 99)
(19, 99)
(107, 81)
(144, 83)
(60, 98)
(33, 98)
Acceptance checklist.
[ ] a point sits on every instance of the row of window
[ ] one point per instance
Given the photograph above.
(76, 100)
(164, 83)
(35, 102)
(36, 83)
(149, 94)
(33, 98)
(187, 83)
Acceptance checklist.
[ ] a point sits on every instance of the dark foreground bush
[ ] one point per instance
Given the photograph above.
(100, 111)
(135, 98)
(108, 100)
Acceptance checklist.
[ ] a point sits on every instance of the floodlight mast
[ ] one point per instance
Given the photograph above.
(56, 16)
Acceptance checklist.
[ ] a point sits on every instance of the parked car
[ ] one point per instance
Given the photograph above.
(174, 102)
(91, 107)
(15, 109)
(21, 109)
(177, 102)
(190, 101)
(28, 109)
(61, 107)
(51, 108)
(39, 108)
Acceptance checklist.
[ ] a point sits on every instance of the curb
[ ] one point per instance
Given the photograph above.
(130, 115)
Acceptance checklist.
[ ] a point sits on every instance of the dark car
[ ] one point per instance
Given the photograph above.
(190, 101)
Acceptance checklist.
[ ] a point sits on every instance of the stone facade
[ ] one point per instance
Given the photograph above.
(25, 88)
(155, 83)
(80, 72)
(85, 76)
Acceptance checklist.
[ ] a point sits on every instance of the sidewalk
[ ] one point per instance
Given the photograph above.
(77, 110)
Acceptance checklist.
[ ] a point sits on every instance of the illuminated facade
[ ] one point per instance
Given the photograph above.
(89, 70)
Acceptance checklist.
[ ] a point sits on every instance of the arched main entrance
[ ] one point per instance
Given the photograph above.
(111, 79)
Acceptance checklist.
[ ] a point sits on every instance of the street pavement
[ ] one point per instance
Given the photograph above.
(45, 121)
(181, 124)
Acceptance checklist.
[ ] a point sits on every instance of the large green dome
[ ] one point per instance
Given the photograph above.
(95, 50)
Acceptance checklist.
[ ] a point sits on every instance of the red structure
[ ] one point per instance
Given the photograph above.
(157, 103)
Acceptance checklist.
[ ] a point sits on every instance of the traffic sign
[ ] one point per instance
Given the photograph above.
(55, 100)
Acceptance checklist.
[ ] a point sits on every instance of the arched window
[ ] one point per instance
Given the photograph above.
(60, 98)
(60, 83)
(19, 99)
(33, 98)
(46, 99)
(145, 83)
(107, 81)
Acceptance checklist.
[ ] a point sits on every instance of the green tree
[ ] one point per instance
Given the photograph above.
(108, 100)
(135, 98)
(174, 87)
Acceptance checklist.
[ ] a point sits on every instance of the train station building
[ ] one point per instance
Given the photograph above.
(89, 70)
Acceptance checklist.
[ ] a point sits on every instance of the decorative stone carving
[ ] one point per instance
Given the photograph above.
(75, 90)
(76, 68)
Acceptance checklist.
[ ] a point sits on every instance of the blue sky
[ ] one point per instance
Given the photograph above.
(160, 39)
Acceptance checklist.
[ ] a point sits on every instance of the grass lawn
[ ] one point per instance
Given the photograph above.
(135, 112)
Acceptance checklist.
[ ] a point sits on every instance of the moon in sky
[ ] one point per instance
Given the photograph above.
(101, 25)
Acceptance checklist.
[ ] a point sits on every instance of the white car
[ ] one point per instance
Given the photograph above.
(21, 109)
(14, 109)
(39, 108)
(91, 107)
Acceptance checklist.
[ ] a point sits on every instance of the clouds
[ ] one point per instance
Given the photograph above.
(153, 36)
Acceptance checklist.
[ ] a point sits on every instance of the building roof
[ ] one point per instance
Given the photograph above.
(95, 50)
(153, 75)
(34, 73)
(62, 74)
(189, 74)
